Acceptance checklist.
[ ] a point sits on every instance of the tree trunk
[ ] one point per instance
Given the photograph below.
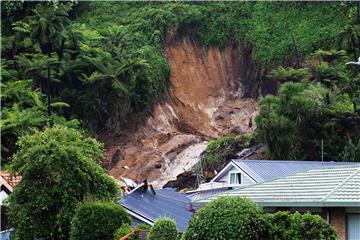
(14, 50)
(49, 86)
(296, 52)
(354, 104)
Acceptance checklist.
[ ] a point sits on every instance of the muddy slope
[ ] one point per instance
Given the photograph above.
(212, 93)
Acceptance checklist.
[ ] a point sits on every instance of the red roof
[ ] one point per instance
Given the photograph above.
(8, 180)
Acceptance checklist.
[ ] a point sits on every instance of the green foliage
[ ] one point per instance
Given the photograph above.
(59, 170)
(329, 55)
(122, 231)
(98, 221)
(290, 74)
(276, 131)
(220, 151)
(163, 229)
(226, 218)
(296, 226)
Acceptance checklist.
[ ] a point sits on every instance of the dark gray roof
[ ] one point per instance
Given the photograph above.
(165, 203)
(264, 170)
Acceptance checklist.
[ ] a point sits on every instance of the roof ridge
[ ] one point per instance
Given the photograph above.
(340, 185)
(249, 171)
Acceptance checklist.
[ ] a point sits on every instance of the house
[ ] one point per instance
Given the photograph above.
(145, 204)
(7, 182)
(239, 173)
(6, 189)
(330, 191)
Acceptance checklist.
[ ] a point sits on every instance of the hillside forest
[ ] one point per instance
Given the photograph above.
(83, 66)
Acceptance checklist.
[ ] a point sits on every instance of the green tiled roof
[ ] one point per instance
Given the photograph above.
(326, 186)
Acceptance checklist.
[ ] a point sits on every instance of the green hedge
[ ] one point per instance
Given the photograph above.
(163, 229)
(97, 220)
(296, 226)
(235, 218)
(226, 218)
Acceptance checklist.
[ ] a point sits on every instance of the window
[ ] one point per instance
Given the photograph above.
(235, 178)
(353, 230)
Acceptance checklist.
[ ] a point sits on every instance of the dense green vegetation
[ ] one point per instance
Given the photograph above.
(59, 170)
(316, 107)
(163, 229)
(97, 220)
(240, 218)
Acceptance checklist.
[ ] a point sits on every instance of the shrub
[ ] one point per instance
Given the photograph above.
(122, 231)
(58, 168)
(226, 218)
(97, 220)
(285, 225)
(163, 229)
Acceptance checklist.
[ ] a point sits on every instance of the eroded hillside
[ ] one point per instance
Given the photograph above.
(213, 93)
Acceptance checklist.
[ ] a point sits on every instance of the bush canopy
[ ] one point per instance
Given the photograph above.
(97, 220)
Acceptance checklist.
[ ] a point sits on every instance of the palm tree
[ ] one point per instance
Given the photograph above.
(34, 66)
(48, 29)
(106, 87)
(113, 70)
(22, 30)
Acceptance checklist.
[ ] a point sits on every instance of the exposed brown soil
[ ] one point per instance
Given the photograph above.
(212, 94)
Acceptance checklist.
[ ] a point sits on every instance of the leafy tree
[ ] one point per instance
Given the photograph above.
(59, 170)
(98, 220)
(226, 218)
(163, 229)
(276, 131)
